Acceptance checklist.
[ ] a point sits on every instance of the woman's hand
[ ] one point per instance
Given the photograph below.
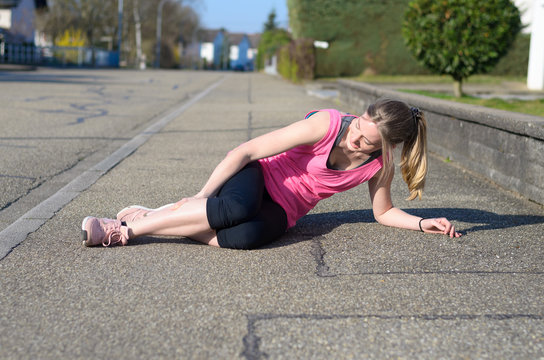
(439, 226)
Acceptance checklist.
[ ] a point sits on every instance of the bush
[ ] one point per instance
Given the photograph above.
(169, 58)
(460, 37)
(70, 40)
(296, 60)
(284, 62)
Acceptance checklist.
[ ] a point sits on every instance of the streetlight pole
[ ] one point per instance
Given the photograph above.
(119, 30)
(159, 26)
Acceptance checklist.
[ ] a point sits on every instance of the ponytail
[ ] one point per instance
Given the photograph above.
(413, 160)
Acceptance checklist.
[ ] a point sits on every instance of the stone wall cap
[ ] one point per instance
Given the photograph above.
(522, 124)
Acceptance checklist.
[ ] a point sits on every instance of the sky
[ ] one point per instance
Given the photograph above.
(246, 16)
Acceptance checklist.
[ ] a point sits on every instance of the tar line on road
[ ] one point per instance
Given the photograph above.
(18, 231)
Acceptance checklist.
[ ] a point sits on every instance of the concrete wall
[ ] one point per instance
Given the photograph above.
(505, 147)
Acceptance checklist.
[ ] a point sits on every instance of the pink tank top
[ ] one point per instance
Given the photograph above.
(299, 178)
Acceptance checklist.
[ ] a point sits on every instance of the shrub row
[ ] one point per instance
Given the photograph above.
(365, 37)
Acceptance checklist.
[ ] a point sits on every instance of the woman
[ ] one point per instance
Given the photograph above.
(265, 185)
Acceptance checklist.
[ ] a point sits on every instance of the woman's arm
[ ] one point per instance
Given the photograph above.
(385, 213)
(304, 132)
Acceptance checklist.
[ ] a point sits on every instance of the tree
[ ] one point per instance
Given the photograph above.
(460, 38)
(178, 22)
(140, 58)
(271, 23)
(97, 19)
(270, 42)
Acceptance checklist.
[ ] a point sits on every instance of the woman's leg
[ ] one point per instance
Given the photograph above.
(190, 220)
(238, 201)
(268, 225)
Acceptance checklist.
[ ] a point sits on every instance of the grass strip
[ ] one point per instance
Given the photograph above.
(531, 107)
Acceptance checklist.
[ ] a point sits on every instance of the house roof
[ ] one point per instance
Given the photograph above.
(235, 38)
(254, 40)
(208, 35)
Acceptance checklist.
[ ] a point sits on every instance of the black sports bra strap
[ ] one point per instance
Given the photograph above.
(346, 121)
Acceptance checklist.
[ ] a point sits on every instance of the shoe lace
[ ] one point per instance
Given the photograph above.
(113, 234)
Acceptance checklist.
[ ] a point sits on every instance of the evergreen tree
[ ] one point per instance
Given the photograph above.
(271, 23)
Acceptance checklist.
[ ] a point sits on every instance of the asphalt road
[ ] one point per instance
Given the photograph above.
(338, 285)
(57, 122)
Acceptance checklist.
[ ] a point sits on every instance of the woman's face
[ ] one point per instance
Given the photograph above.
(363, 135)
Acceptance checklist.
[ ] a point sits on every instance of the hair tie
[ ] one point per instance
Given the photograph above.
(415, 115)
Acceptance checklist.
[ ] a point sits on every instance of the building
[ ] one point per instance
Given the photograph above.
(526, 8)
(18, 18)
(243, 51)
(213, 49)
(221, 50)
(531, 11)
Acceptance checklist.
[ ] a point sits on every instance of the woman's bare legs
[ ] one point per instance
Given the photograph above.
(189, 220)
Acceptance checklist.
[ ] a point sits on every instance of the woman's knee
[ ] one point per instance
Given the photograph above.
(239, 199)
(244, 239)
(242, 209)
(226, 212)
(269, 225)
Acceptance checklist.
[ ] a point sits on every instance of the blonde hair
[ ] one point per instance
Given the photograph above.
(398, 123)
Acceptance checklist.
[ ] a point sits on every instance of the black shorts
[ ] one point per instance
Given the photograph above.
(243, 214)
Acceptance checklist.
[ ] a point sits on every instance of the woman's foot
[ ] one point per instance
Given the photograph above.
(107, 232)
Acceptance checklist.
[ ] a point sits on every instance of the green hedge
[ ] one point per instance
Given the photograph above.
(365, 36)
(362, 35)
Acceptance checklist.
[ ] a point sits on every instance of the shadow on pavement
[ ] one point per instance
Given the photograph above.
(31, 77)
(483, 220)
(315, 225)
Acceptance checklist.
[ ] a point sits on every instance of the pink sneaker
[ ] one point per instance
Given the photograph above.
(103, 231)
(136, 212)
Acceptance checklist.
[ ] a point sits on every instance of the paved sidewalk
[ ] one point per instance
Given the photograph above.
(504, 90)
(338, 285)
